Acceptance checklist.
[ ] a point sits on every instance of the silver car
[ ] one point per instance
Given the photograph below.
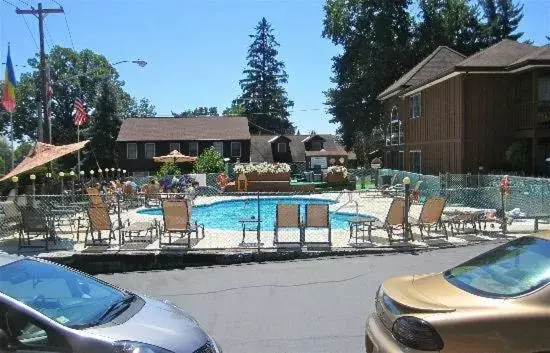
(50, 308)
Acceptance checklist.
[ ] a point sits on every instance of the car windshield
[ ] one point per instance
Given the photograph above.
(63, 295)
(510, 270)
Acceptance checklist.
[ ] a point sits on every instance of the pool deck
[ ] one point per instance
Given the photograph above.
(231, 240)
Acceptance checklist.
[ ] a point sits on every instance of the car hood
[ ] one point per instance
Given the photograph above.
(160, 324)
(431, 293)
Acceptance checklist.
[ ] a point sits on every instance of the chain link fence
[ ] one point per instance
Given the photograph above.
(91, 216)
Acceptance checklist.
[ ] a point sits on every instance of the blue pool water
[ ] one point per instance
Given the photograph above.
(225, 214)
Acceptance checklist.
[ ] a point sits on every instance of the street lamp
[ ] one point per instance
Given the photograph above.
(407, 183)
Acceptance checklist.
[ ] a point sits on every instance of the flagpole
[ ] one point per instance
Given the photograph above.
(11, 138)
(78, 152)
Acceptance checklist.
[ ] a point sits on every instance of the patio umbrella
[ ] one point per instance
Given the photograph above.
(41, 154)
(174, 157)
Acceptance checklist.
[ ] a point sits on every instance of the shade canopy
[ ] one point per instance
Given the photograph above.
(41, 154)
(174, 157)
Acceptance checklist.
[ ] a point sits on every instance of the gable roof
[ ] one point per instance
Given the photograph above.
(498, 56)
(260, 148)
(314, 136)
(502, 57)
(179, 129)
(438, 61)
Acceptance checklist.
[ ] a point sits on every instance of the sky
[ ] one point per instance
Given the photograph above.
(196, 49)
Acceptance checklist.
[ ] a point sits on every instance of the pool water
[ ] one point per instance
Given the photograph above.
(226, 214)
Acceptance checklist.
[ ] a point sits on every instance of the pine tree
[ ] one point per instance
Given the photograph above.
(105, 123)
(264, 97)
(375, 37)
(502, 18)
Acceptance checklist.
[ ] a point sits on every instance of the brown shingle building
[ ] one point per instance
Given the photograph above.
(456, 114)
(140, 139)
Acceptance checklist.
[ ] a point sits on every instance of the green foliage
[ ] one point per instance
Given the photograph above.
(502, 18)
(199, 111)
(517, 155)
(264, 97)
(73, 74)
(168, 169)
(23, 150)
(210, 161)
(236, 109)
(103, 127)
(376, 39)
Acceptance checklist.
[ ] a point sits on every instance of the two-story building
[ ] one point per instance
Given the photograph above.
(456, 114)
(141, 139)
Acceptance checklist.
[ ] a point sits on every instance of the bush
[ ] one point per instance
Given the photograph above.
(517, 155)
(168, 169)
(209, 161)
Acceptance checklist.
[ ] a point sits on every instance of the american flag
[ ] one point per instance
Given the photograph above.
(79, 112)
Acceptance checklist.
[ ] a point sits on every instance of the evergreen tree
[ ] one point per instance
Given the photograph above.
(376, 40)
(502, 18)
(264, 98)
(453, 23)
(104, 125)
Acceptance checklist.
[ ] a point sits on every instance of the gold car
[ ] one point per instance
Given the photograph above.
(497, 302)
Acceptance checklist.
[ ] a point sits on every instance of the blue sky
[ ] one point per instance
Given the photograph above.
(196, 49)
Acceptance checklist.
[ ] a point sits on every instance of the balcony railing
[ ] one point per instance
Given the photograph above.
(525, 112)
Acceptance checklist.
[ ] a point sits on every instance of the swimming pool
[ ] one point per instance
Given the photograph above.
(225, 214)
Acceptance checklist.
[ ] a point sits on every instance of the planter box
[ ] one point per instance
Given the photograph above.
(335, 178)
(268, 177)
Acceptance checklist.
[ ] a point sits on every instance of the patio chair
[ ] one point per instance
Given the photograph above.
(35, 221)
(94, 195)
(177, 219)
(99, 220)
(317, 216)
(395, 219)
(287, 216)
(430, 215)
(152, 193)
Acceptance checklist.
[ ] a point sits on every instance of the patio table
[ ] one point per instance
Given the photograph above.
(247, 221)
(137, 228)
(360, 221)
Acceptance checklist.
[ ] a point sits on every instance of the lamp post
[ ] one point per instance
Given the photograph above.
(407, 183)
(61, 176)
(113, 171)
(100, 173)
(72, 175)
(118, 172)
(14, 180)
(33, 180)
(91, 176)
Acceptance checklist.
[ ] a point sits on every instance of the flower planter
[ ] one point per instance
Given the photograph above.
(268, 176)
(335, 178)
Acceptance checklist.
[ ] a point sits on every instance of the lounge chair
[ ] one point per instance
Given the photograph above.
(176, 218)
(35, 221)
(287, 216)
(99, 220)
(317, 216)
(152, 193)
(430, 215)
(395, 219)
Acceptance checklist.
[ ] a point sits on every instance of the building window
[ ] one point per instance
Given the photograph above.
(416, 162)
(218, 146)
(131, 150)
(175, 146)
(193, 149)
(544, 89)
(149, 150)
(281, 147)
(401, 160)
(316, 145)
(416, 106)
(235, 149)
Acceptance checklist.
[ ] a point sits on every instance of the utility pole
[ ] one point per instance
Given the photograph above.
(40, 14)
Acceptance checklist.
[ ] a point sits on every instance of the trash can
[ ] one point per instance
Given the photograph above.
(384, 180)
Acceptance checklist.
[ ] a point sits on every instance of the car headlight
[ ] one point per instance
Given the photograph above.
(138, 347)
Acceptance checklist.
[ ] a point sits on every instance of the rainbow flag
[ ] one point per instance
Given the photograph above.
(8, 91)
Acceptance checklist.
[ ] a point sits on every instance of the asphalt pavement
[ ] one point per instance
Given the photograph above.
(298, 306)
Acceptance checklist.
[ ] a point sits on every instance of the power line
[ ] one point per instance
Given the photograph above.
(67, 24)
(9, 3)
(26, 3)
(30, 32)
(49, 36)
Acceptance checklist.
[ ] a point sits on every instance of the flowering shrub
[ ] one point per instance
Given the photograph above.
(338, 169)
(262, 168)
(175, 183)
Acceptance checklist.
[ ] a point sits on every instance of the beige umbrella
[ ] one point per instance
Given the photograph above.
(41, 154)
(174, 157)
